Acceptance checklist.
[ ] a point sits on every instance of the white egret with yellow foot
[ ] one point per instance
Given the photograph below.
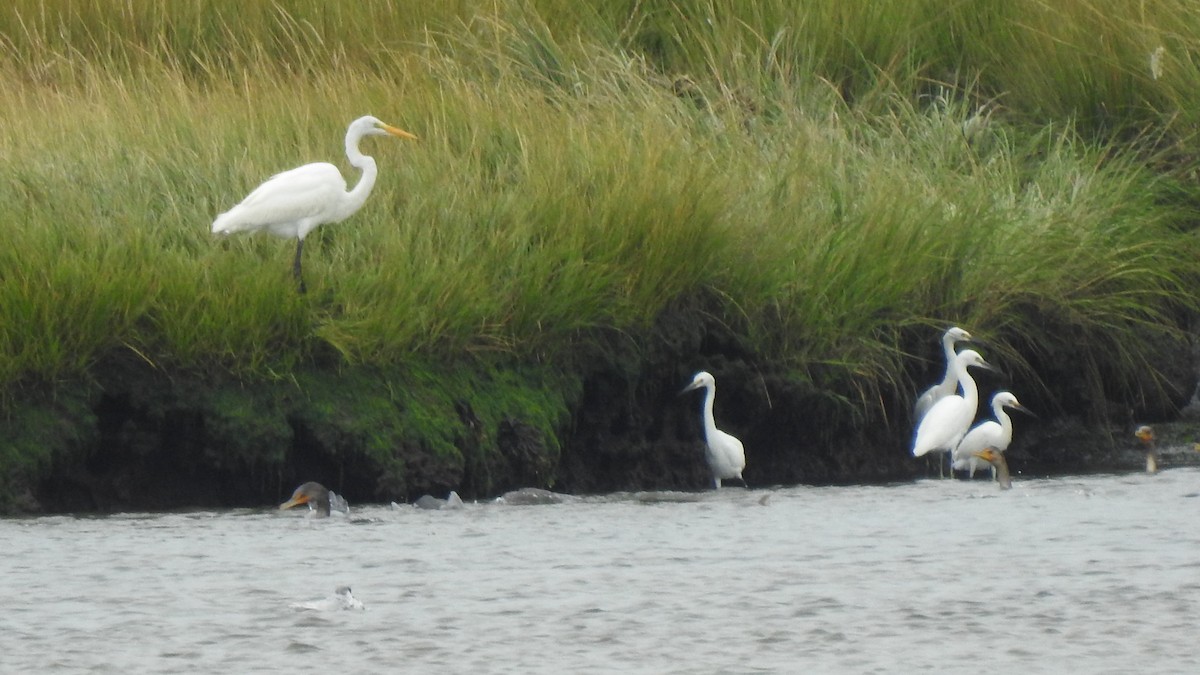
(995, 434)
(949, 419)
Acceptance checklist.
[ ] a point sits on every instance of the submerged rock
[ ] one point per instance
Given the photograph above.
(431, 503)
(532, 496)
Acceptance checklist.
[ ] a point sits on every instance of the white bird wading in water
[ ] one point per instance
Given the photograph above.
(995, 434)
(293, 203)
(725, 454)
(949, 382)
(949, 419)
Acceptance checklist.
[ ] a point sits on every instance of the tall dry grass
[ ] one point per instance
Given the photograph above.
(844, 177)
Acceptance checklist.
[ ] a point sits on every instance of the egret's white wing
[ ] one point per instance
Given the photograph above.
(307, 194)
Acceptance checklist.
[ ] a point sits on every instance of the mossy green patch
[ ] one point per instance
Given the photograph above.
(36, 432)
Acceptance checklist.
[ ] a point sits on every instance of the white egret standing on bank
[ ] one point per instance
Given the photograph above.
(725, 454)
(949, 382)
(1145, 434)
(995, 434)
(949, 419)
(293, 203)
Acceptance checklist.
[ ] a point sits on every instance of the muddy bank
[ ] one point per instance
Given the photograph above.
(138, 438)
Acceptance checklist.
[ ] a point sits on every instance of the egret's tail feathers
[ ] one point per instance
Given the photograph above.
(231, 222)
(223, 224)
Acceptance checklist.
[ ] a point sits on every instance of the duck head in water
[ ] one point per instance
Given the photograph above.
(312, 493)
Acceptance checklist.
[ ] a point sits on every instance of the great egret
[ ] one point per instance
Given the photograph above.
(996, 459)
(293, 203)
(949, 419)
(995, 434)
(725, 454)
(949, 382)
(1145, 434)
(318, 498)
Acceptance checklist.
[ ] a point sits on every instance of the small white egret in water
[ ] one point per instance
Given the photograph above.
(949, 419)
(1145, 434)
(996, 459)
(725, 454)
(949, 382)
(293, 203)
(995, 434)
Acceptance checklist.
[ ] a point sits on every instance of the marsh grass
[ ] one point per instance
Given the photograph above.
(829, 173)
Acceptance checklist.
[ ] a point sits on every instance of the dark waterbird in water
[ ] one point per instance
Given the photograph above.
(314, 494)
(996, 459)
(1145, 434)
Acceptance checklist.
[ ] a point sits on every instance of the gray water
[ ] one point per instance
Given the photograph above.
(1097, 574)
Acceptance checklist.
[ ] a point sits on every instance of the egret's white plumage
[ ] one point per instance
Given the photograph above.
(995, 434)
(949, 382)
(293, 203)
(949, 419)
(725, 454)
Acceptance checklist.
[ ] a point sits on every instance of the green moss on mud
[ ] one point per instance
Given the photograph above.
(375, 434)
(34, 433)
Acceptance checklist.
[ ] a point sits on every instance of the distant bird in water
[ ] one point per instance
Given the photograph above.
(319, 499)
(996, 459)
(995, 434)
(949, 419)
(293, 203)
(949, 382)
(342, 598)
(1145, 434)
(725, 454)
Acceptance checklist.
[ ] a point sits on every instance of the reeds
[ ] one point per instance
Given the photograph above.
(831, 174)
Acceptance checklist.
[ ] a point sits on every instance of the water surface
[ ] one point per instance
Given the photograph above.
(1097, 574)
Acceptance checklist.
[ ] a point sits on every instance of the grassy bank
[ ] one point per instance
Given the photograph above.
(845, 181)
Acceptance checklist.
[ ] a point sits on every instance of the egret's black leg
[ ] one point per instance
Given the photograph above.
(296, 265)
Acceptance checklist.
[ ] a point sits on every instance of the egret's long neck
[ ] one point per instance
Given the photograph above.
(1004, 419)
(949, 379)
(970, 391)
(710, 423)
(358, 196)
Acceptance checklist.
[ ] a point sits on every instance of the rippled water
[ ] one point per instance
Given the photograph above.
(1096, 574)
